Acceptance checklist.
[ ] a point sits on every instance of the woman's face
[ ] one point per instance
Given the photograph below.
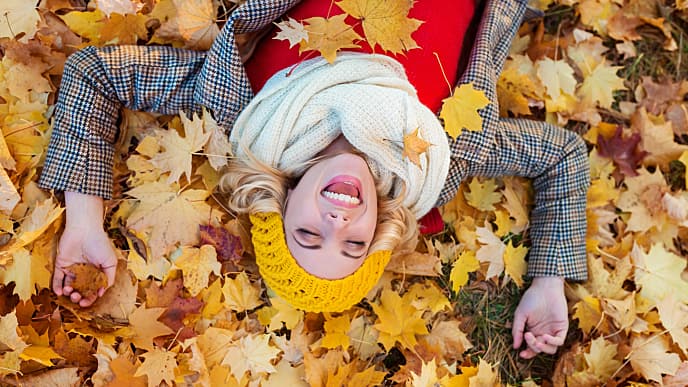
(330, 216)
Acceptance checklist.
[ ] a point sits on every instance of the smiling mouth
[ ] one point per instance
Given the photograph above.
(343, 193)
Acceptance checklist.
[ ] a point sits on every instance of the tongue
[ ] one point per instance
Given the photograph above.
(343, 188)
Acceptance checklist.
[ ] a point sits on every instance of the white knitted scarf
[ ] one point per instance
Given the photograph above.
(368, 98)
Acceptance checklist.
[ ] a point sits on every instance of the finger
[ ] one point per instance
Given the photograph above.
(537, 345)
(58, 277)
(75, 297)
(517, 329)
(527, 354)
(110, 272)
(67, 290)
(88, 301)
(557, 340)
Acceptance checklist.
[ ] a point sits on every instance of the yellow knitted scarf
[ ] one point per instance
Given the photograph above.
(282, 273)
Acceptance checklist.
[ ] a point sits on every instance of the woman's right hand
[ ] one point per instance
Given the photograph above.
(83, 241)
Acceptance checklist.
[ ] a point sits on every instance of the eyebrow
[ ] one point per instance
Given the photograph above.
(318, 247)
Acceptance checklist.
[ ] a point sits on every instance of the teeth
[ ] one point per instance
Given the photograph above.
(342, 197)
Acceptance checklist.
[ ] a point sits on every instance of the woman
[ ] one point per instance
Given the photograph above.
(365, 195)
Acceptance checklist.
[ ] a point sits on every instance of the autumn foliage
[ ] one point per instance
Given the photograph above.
(188, 306)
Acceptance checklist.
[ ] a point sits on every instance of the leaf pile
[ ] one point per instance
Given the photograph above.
(188, 306)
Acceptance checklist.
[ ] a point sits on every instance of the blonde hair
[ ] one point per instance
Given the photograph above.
(253, 187)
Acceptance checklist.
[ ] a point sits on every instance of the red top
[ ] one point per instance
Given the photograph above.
(443, 30)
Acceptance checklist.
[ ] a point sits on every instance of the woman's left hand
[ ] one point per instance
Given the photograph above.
(541, 318)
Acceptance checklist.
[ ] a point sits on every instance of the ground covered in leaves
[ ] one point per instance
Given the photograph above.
(189, 307)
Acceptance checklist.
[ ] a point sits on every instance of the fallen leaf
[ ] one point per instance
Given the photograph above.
(292, 31)
(385, 23)
(328, 36)
(144, 327)
(251, 353)
(158, 365)
(398, 321)
(414, 146)
(19, 17)
(88, 279)
(196, 21)
(196, 266)
(651, 358)
(482, 194)
(460, 111)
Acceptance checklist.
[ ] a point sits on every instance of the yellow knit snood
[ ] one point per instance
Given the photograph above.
(295, 285)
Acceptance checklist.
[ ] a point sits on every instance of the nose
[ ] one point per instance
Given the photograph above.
(337, 218)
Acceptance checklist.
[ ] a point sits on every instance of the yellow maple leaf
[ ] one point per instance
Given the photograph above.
(465, 264)
(598, 87)
(25, 80)
(623, 312)
(658, 273)
(142, 268)
(196, 266)
(491, 251)
(212, 299)
(197, 23)
(601, 359)
(280, 312)
(168, 216)
(588, 312)
(482, 195)
(674, 317)
(29, 272)
(251, 353)
(449, 338)
(124, 29)
(515, 263)
(414, 146)
(363, 338)
(518, 197)
(19, 17)
(650, 356)
(241, 294)
(287, 375)
(398, 321)
(596, 13)
(213, 344)
(158, 365)
(385, 22)
(427, 295)
(86, 24)
(144, 327)
(460, 111)
(178, 151)
(8, 333)
(42, 354)
(336, 332)
(329, 36)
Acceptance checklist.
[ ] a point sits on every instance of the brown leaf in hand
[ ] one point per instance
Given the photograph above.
(89, 279)
(414, 146)
(623, 151)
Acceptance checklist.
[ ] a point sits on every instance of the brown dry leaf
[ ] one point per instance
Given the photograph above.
(89, 279)
(119, 300)
(680, 379)
(449, 338)
(414, 146)
(196, 266)
(328, 36)
(385, 22)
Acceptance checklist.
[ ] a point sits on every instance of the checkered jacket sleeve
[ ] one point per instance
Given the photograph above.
(556, 159)
(98, 82)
